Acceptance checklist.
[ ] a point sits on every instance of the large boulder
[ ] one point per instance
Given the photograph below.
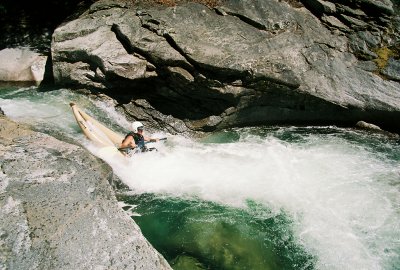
(243, 63)
(58, 210)
(22, 65)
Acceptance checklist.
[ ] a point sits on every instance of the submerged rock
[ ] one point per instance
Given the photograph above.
(366, 125)
(58, 210)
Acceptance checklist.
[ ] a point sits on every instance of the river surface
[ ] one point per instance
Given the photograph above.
(247, 198)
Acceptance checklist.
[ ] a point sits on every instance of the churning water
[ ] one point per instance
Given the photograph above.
(249, 198)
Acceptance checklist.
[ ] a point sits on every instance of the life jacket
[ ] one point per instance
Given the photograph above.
(139, 139)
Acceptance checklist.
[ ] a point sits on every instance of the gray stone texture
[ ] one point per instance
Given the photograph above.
(392, 70)
(243, 63)
(58, 209)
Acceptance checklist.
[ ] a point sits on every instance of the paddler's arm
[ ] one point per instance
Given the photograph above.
(128, 142)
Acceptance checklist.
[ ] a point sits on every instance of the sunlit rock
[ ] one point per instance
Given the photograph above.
(58, 209)
(22, 64)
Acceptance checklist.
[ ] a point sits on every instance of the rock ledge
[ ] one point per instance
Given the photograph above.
(58, 210)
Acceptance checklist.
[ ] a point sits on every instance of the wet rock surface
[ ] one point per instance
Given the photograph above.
(58, 209)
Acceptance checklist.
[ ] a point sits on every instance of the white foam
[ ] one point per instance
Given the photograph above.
(48, 109)
(109, 108)
(331, 188)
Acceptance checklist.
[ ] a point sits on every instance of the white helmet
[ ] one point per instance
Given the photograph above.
(136, 125)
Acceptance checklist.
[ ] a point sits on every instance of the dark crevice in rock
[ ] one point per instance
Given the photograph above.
(175, 46)
(200, 68)
(92, 61)
(130, 49)
(2, 169)
(325, 47)
(156, 63)
(272, 30)
(189, 107)
(354, 23)
(322, 44)
(294, 84)
(243, 18)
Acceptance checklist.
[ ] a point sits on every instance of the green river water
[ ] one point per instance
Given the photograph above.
(248, 198)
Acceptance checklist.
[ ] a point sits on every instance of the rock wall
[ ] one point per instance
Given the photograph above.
(243, 63)
(58, 210)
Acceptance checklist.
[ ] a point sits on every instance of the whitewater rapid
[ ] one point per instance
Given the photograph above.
(343, 197)
(340, 195)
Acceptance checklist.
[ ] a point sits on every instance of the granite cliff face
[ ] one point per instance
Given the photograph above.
(58, 210)
(193, 68)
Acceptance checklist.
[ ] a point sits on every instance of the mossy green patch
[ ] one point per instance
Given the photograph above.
(384, 53)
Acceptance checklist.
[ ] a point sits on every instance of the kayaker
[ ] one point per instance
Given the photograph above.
(136, 139)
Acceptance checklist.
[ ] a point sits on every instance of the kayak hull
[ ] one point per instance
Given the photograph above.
(108, 140)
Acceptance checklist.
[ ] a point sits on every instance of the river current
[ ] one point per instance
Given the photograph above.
(272, 197)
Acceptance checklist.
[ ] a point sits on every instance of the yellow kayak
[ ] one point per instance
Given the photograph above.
(108, 140)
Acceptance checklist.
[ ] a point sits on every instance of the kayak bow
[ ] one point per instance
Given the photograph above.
(103, 137)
